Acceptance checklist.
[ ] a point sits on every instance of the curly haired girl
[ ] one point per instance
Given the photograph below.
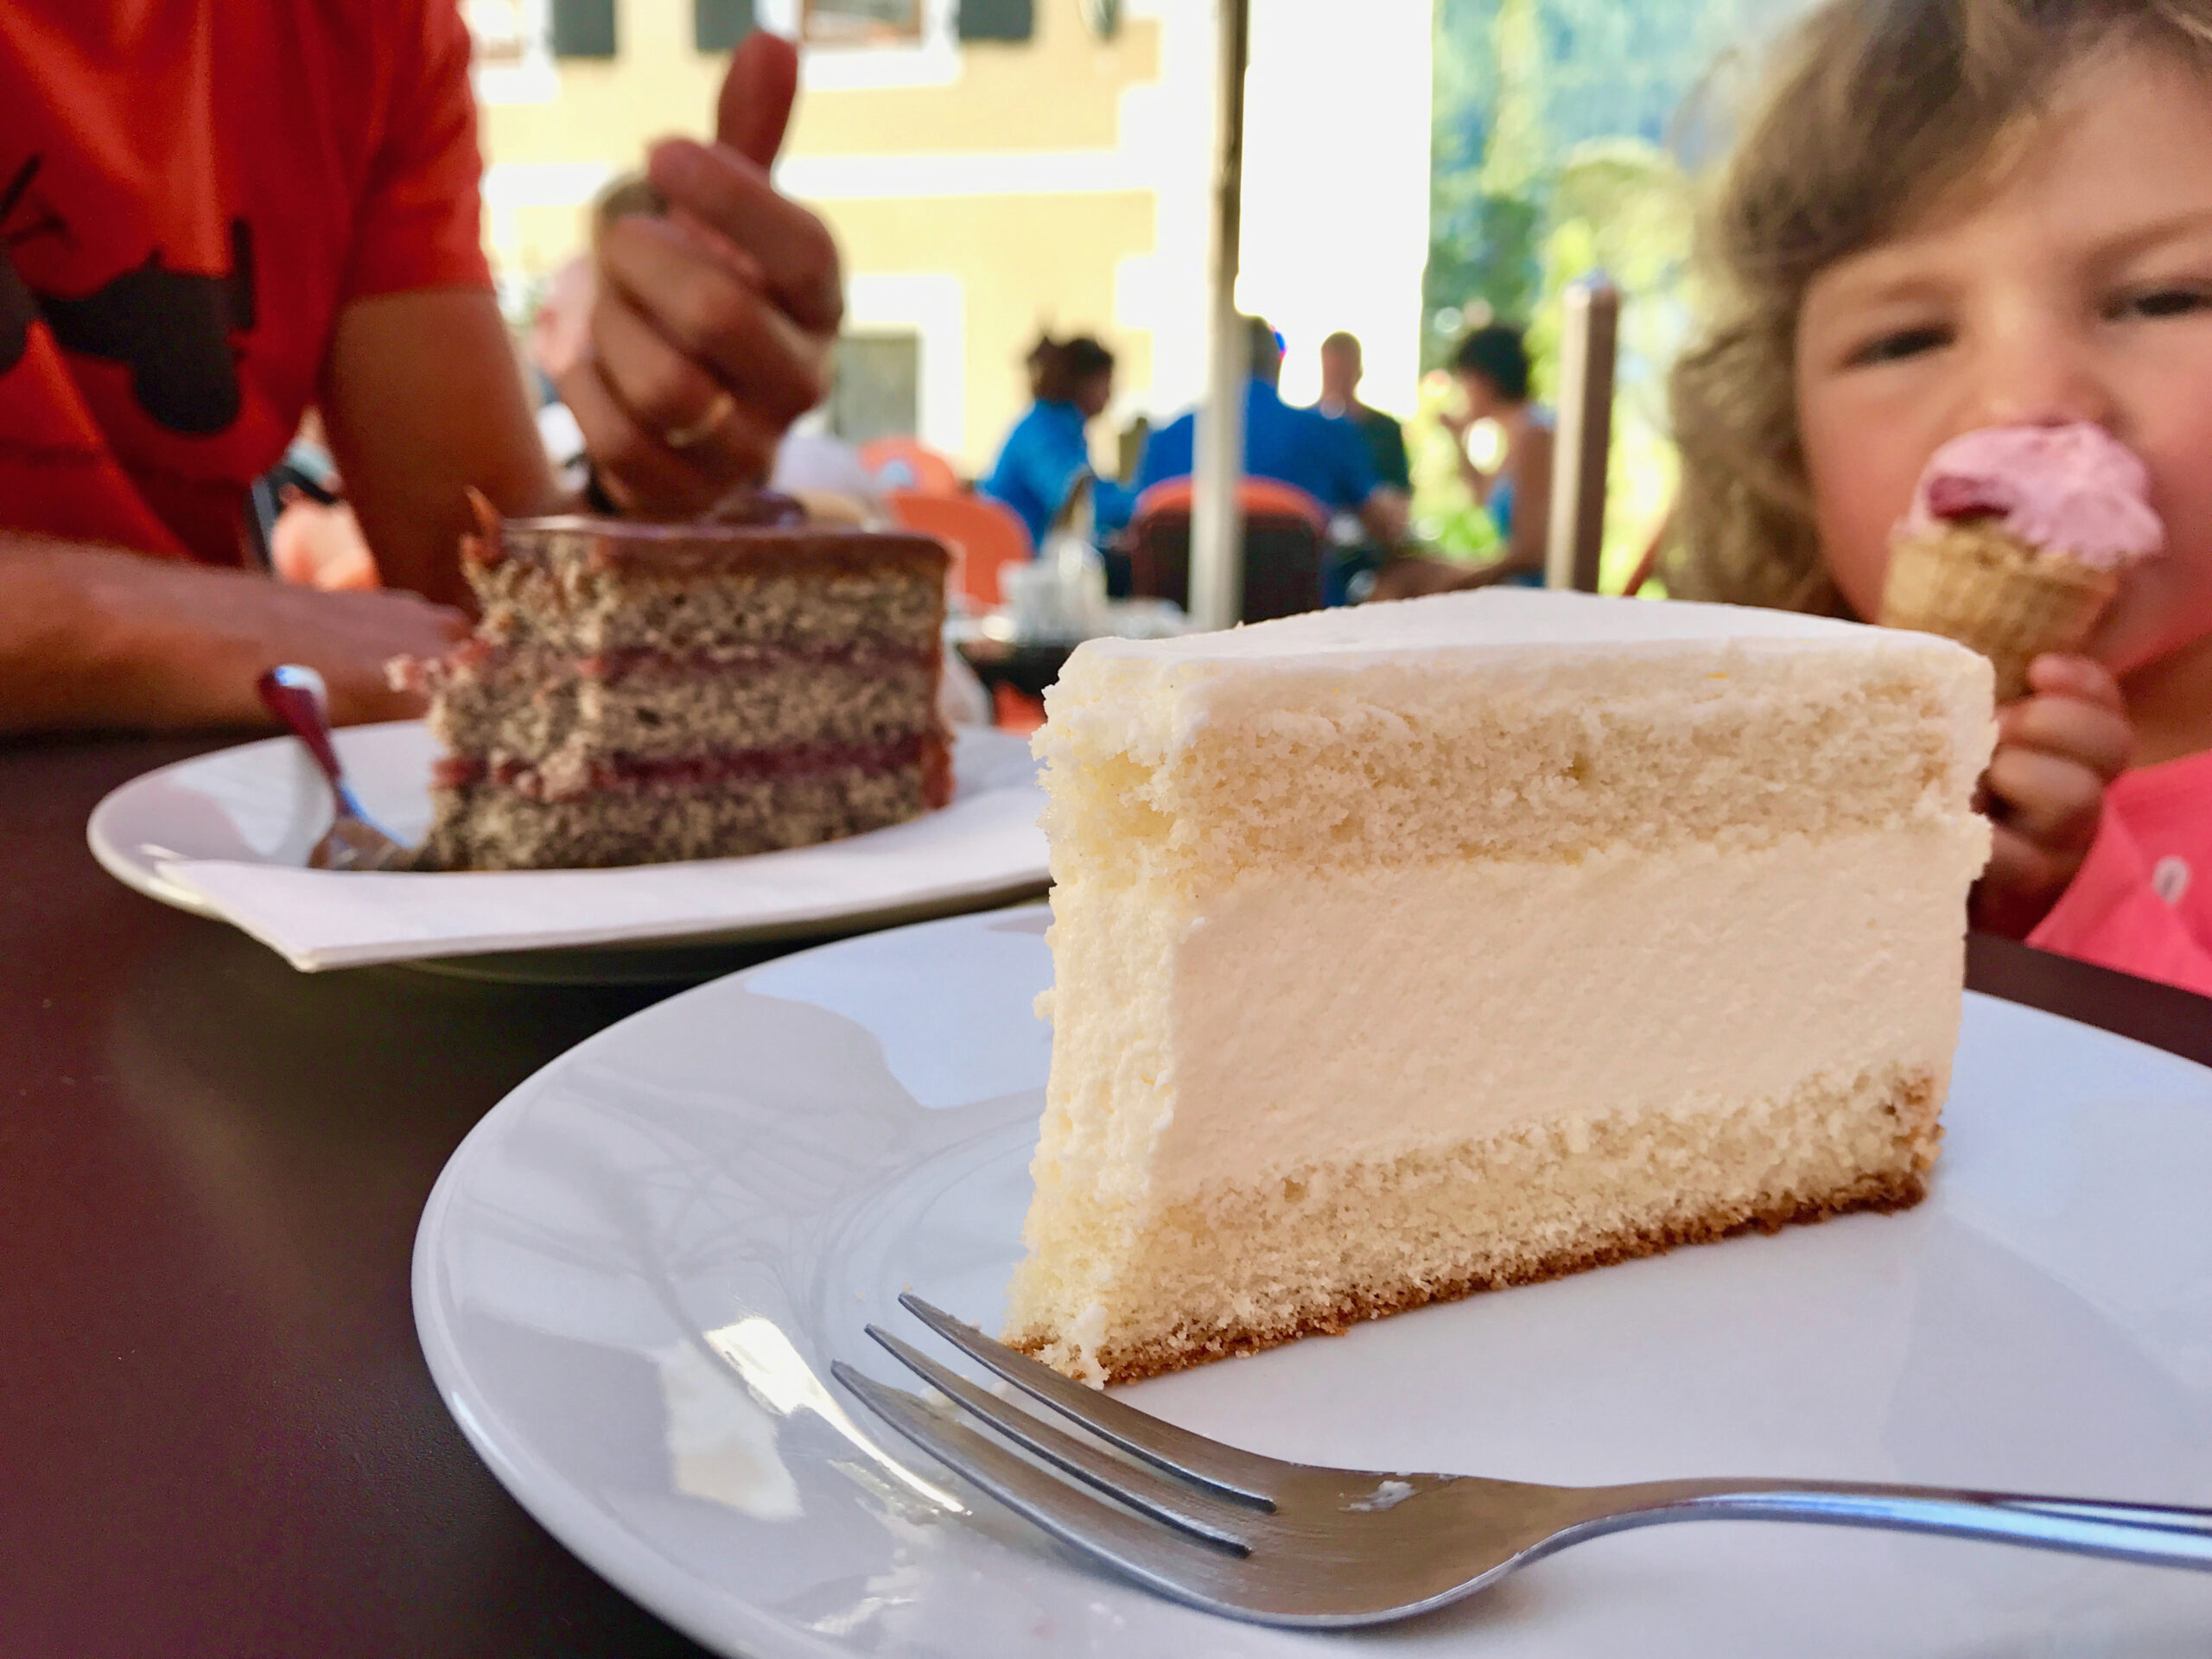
(1949, 214)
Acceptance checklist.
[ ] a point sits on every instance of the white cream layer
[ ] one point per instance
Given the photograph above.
(1317, 1021)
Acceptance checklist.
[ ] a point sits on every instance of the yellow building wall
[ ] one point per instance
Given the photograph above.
(1023, 261)
(1060, 90)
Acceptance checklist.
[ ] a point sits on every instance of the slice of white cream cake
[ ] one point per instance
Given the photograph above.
(1424, 948)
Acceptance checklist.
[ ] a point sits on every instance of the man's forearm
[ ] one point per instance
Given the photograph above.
(92, 638)
(423, 401)
(81, 640)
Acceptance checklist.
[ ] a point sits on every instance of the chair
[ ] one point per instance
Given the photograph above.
(909, 464)
(1261, 495)
(1284, 536)
(982, 535)
(1015, 711)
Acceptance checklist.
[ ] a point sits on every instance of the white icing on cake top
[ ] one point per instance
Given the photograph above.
(1508, 620)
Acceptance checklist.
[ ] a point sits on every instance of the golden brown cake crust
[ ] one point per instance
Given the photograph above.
(1885, 1192)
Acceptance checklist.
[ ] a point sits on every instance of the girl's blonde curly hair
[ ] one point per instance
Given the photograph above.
(1876, 113)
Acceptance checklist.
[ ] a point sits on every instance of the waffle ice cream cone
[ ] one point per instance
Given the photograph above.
(1979, 584)
(2018, 541)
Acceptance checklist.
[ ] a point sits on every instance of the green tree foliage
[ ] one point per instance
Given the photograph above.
(1487, 164)
(1562, 129)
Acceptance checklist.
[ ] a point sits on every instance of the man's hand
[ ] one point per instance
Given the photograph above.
(713, 326)
(91, 637)
(2057, 750)
(350, 638)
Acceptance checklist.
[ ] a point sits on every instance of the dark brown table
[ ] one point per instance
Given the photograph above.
(217, 1435)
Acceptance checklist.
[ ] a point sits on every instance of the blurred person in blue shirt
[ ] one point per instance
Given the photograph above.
(1047, 451)
(1326, 457)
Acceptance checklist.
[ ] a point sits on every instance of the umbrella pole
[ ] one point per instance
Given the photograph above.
(1217, 528)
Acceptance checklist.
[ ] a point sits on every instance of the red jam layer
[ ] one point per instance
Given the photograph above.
(632, 773)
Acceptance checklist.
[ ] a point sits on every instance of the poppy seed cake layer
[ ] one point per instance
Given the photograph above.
(638, 693)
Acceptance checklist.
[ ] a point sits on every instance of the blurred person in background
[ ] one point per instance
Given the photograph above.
(213, 215)
(1324, 457)
(1341, 370)
(1356, 555)
(1492, 367)
(1048, 451)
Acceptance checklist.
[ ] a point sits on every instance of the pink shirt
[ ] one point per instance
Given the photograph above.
(2142, 901)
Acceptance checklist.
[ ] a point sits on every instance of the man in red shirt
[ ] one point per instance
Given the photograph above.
(216, 212)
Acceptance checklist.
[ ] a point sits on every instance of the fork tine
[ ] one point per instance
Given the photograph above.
(1242, 1475)
(1191, 1508)
(361, 815)
(1152, 1555)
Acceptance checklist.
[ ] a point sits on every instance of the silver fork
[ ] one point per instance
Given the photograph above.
(1294, 1544)
(355, 841)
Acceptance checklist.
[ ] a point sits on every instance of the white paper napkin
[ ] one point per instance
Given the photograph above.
(985, 844)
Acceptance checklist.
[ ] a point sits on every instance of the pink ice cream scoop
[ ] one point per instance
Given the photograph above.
(2074, 489)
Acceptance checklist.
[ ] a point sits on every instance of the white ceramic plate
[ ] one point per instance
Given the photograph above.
(632, 1277)
(262, 804)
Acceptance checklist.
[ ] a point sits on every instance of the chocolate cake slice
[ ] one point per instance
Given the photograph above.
(637, 693)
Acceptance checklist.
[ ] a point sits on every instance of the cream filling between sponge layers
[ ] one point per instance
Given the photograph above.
(1296, 1021)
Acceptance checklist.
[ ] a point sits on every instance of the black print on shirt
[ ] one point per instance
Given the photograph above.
(18, 310)
(172, 328)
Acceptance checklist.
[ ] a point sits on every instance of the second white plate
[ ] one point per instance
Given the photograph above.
(633, 1277)
(227, 835)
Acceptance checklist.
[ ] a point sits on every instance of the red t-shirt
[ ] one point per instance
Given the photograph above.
(2142, 901)
(190, 191)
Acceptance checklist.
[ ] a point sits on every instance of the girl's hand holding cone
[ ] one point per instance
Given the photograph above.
(2057, 749)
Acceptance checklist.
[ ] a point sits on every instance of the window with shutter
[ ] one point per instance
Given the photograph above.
(877, 391)
(997, 20)
(583, 28)
(718, 25)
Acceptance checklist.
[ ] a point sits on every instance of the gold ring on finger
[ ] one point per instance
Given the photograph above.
(705, 427)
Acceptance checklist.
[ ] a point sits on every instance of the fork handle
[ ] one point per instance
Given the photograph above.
(297, 704)
(2156, 1534)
